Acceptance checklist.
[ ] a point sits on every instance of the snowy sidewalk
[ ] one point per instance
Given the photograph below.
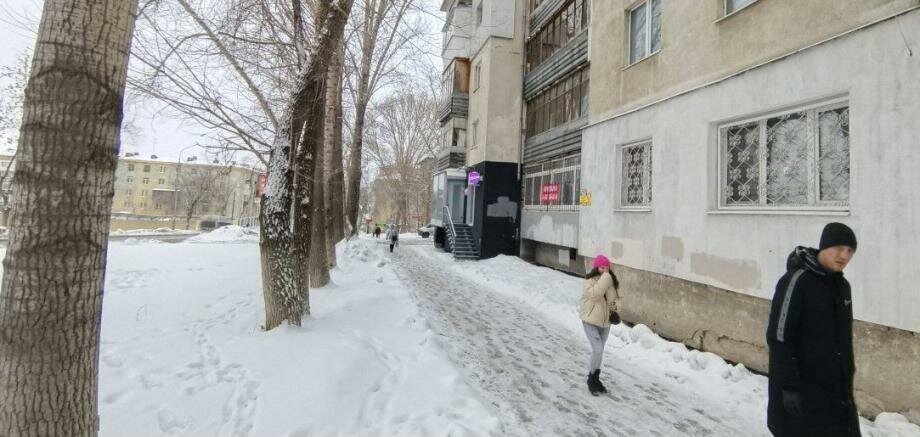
(533, 370)
(513, 330)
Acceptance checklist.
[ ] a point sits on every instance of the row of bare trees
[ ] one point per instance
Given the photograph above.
(232, 67)
(403, 138)
(267, 77)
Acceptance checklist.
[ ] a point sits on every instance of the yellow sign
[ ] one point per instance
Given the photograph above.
(585, 198)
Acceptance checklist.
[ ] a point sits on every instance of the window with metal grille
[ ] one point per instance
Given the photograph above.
(794, 159)
(636, 175)
(553, 185)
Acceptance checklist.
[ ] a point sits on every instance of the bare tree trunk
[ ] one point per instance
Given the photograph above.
(337, 184)
(285, 243)
(54, 271)
(275, 239)
(332, 159)
(374, 12)
(353, 184)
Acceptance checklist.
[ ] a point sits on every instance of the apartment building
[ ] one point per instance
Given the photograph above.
(159, 188)
(722, 133)
(481, 123)
(715, 136)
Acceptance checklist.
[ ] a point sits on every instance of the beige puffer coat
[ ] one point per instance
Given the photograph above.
(598, 299)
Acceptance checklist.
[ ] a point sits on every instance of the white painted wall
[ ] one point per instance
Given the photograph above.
(498, 20)
(553, 227)
(873, 68)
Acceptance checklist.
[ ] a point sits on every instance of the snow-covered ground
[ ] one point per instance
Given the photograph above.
(408, 344)
(182, 352)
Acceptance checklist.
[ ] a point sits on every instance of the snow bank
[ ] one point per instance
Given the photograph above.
(150, 232)
(556, 296)
(227, 234)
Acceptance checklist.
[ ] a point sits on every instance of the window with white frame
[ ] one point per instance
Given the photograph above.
(636, 175)
(733, 5)
(794, 159)
(644, 30)
(479, 14)
(553, 185)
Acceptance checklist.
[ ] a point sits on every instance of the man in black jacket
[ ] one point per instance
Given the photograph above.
(810, 336)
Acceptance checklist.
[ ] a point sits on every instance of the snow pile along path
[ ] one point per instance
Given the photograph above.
(703, 383)
(182, 352)
(227, 234)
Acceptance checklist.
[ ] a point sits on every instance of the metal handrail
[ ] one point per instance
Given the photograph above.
(450, 219)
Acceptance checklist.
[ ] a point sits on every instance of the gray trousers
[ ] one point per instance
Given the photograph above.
(597, 338)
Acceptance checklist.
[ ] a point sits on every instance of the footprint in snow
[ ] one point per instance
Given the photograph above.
(171, 422)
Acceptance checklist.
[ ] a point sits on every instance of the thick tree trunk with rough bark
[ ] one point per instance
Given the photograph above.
(286, 204)
(337, 176)
(275, 238)
(51, 297)
(333, 195)
(305, 188)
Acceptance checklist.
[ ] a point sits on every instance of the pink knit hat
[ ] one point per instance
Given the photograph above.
(601, 261)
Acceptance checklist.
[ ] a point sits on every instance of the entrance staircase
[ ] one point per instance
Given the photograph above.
(461, 241)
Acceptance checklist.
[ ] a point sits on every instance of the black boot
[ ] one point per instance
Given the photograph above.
(592, 386)
(597, 381)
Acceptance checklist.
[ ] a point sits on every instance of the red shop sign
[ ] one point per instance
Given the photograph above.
(549, 193)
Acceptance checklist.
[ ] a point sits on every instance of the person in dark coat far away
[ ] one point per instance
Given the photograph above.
(810, 336)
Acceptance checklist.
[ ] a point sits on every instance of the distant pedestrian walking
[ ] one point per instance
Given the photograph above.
(599, 297)
(376, 231)
(810, 335)
(393, 236)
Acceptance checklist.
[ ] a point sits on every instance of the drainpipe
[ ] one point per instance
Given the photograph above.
(523, 129)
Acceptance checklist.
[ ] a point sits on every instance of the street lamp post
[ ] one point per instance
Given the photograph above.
(176, 185)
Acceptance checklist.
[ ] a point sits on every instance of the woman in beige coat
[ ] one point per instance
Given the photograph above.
(598, 300)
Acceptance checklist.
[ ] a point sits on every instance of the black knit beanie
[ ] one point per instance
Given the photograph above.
(837, 234)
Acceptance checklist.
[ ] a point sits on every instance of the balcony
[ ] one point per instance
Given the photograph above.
(458, 27)
(457, 105)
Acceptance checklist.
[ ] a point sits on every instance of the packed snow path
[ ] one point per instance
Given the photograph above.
(533, 370)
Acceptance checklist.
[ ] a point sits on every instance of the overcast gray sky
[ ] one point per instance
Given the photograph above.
(159, 135)
(156, 133)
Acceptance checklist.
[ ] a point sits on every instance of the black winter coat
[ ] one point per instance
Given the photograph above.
(810, 336)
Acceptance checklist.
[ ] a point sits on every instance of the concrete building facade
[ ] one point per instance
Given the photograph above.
(154, 189)
(481, 119)
(720, 134)
(723, 139)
